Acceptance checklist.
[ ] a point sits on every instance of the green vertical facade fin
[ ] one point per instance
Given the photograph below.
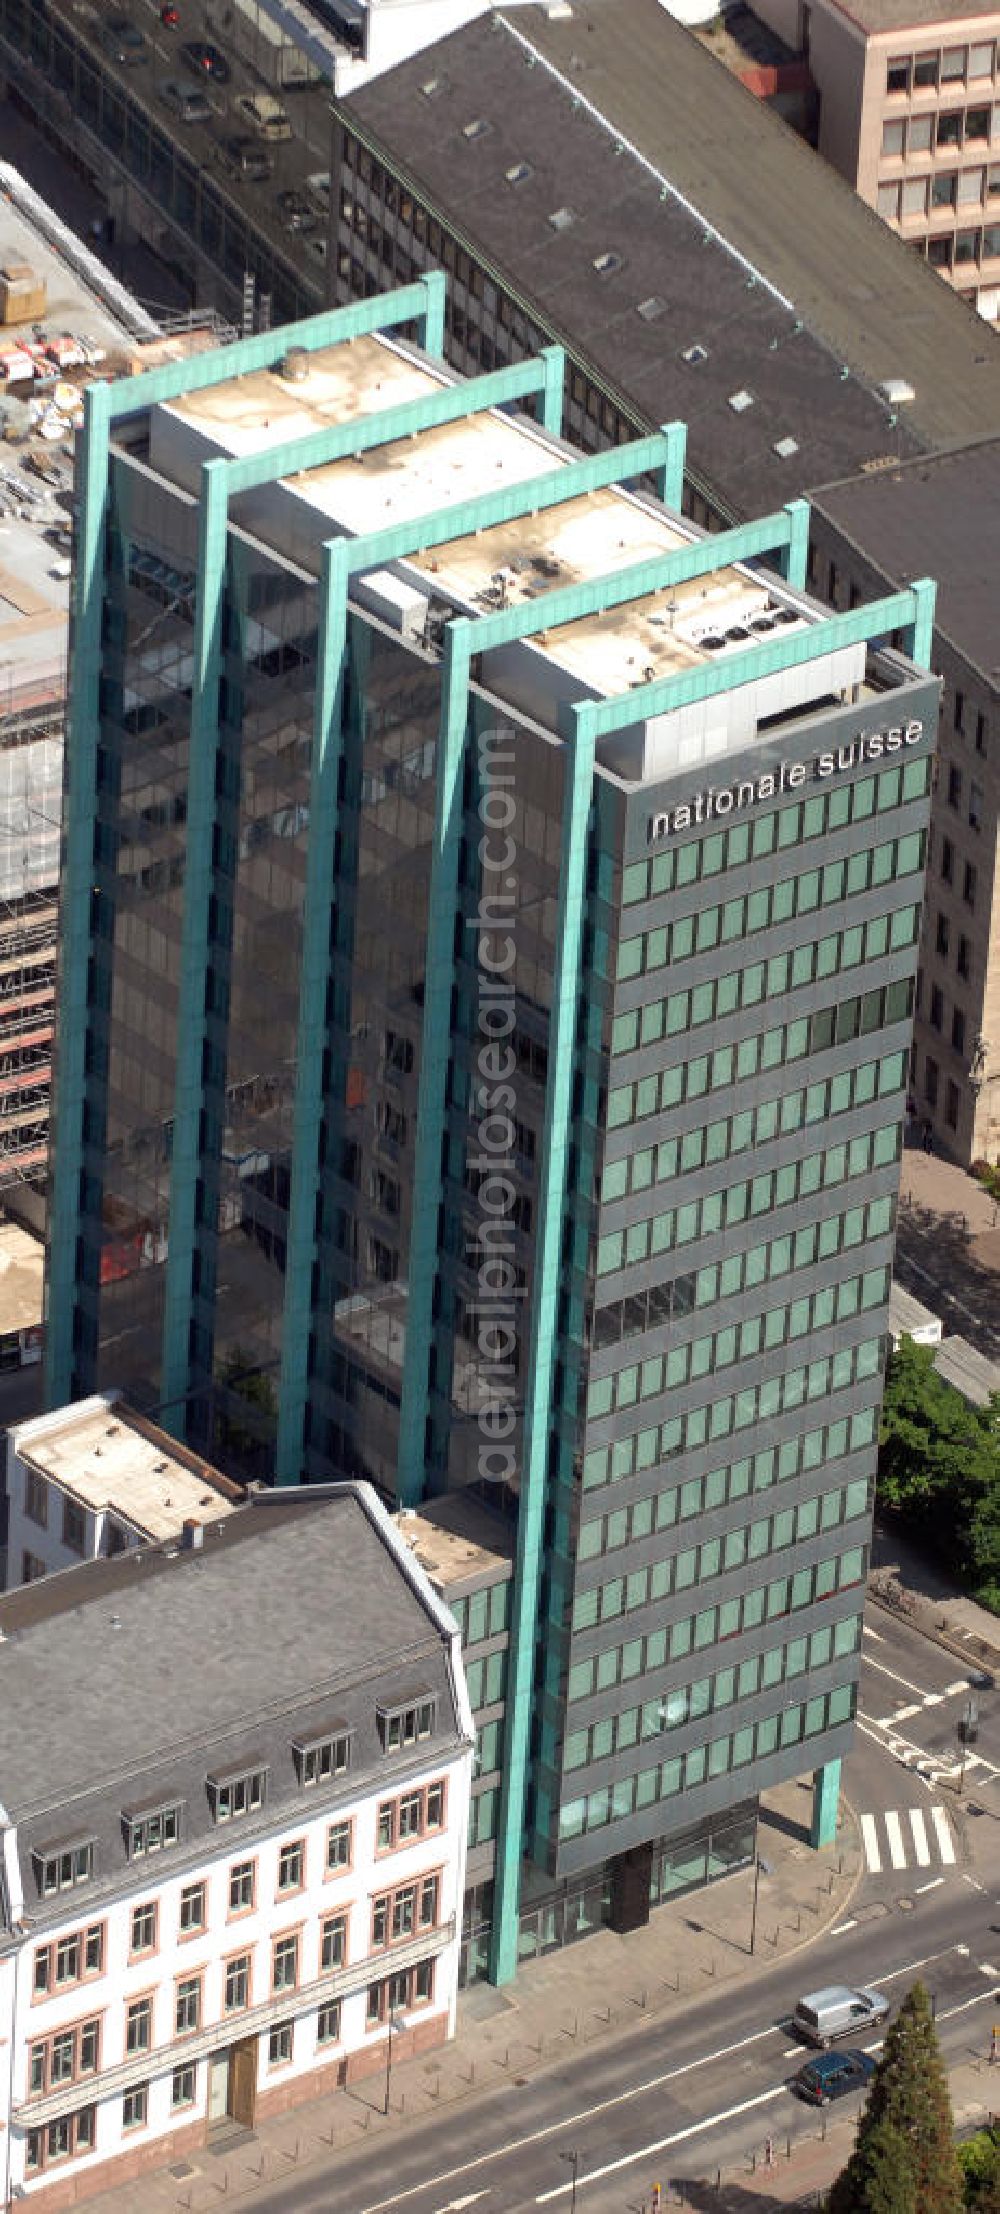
(921, 630)
(320, 890)
(76, 899)
(552, 391)
(796, 554)
(196, 961)
(432, 328)
(825, 1804)
(671, 477)
(435, 1059)
(554, 1170)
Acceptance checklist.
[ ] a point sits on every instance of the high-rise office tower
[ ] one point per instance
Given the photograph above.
(490, 917)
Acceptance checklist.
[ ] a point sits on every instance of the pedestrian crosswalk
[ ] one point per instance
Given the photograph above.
(907, 1838)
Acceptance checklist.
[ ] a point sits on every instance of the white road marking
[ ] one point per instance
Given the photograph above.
(903, 1714)
(985, 1969)
(842, 1927)
(932, 1886)
(894, 1833)
(951, 1691)
(943, 1834)
(870, 1837)
(792, 2052)
(875, 1635)
(934, 1698)
(974, 1885)
(896, 1678)
(662, 2144)
(920, 1845)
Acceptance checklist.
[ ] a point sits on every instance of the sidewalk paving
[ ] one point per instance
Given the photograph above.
(702, 1942)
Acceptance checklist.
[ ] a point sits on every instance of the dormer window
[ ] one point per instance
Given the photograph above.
(321, 1759)
(240, 1791)
(151, 1829)
(62, 1867)
(407, 1725)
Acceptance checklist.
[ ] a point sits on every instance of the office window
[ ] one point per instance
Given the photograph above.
(981, 59)
(143, 1933)
(975, 806)
(955, 780)
(183, 2085)
(291, 1864)
(242, 1886)
(914, 196)
(237, 1993)
(937, 1007)
(892, 138)
(951, 1106)
(32, 1568)
(897, 74)
(192, 1911)
(981, 719)
(953, 64)
(139, 2026)
(939, 252)
(333, 1942)
(888, 202)
(74, 1526)
(941, 934)
(135, 2107)
(919, 134)
(338, 1847)
(232, 1796)
(958, 1030)
(947, 861)
(400, 1727)
(151, 1830)
(963, 961)
(279, 2045)
(36, 1498)
(285, 1964)
(969, 884)
(319, 1760)
(328, 2024)
(187, 2005)
(930, 1081)
(63, 1870)
(977, 126)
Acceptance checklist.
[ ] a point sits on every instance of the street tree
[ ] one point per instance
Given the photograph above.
(939, 1465)
(904, 2160)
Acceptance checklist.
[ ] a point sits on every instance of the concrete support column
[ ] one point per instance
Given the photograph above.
(826, 1799)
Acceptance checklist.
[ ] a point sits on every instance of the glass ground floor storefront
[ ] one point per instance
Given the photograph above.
(553, 1915)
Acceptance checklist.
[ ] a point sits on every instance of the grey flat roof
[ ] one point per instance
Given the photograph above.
(126, 1682)
(958, 1363)
(921, 17)
(937, 516)
(624, 118)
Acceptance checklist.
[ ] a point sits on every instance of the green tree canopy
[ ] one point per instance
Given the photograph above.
(904, 2161)
(939, 1464)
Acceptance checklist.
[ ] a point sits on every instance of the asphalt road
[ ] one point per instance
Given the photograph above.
(671, 2101)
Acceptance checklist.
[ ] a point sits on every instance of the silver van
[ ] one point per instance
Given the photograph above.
(823, 2016)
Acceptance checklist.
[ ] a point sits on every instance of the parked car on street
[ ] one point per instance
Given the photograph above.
(206, 60)
(187, 105)
(296, 212)
(832, 2075)
(245, 158)
(838, 2011)
(265, 115)
(123, 41)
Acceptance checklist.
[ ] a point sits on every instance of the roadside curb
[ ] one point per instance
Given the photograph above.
(973, 1650)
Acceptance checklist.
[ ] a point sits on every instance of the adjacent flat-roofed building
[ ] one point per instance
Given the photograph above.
(867, 534)
(909, 113)
(93, 1479)
(499, 1032)
(600, 181)
(229, 1857)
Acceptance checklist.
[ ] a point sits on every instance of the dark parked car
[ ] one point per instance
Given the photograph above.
(123, 40)
(833, 2075)
(205, 60)
(170, 16)
(296, 212)
(245, 158)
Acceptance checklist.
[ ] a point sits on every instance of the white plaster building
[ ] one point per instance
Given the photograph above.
(215, 1908)
(95, 1479)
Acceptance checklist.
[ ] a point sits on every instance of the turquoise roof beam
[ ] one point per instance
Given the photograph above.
(796, 554)
(570, 602)
(572, 481)
(448, 403)
(553, 389)
(421, 303)
(871, 625)
(922, 639)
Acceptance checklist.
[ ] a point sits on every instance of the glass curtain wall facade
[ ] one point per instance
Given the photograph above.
(450, 1096)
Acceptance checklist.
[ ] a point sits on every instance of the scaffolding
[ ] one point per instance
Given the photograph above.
(32, 717)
